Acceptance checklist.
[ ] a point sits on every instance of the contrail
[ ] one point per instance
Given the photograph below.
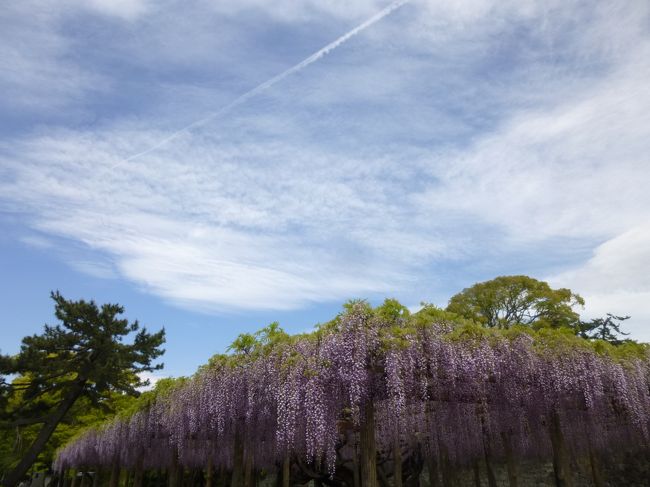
(276, 79)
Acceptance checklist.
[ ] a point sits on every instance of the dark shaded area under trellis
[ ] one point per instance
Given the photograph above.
(626, 470)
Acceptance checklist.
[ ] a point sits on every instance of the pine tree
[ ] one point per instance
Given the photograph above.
(83, 356)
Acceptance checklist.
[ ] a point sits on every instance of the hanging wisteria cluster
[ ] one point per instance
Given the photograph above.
(427, 390)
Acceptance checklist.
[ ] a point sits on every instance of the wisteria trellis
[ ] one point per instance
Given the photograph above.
(431, 390)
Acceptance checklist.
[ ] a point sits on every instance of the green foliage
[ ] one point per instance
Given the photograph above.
(245, 343)
(83, 415)
(271, 334)
(6, 367)
(392, 311)
(88, 344)
(357, 305)
(248, 345)
(509, 300)
(80, 366)
(430, 313)
(607, 329)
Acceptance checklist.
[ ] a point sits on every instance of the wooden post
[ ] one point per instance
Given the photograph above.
(238, 460)
(172, 471)
(115, 475)
(397, 460)
(85, 479)
(355, 466)
(596, 472)
(286, 471)
(75, 476)
(209, 473)
(492, 481)
(248, 470)
(477, 474)
(368, 447)
(561, 463)
(432, 467)
(447, 478)
(96, 477)
(511, 464)
(180, 476)
(487, 453)
(139, 472)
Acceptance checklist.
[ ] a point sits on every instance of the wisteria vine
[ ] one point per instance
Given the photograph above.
(433, 389)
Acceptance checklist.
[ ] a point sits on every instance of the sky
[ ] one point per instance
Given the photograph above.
(214, 166)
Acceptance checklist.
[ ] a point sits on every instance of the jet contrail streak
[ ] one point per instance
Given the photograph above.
(267, 84)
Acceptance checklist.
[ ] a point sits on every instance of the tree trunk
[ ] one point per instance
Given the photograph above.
(13, 477)
(397, 460)
(511, 464)
(368, 448)
(561, 464)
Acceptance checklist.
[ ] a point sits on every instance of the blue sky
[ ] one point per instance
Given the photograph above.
(445, 144)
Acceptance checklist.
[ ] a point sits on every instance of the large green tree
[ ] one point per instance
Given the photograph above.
(85, 356)
(510, 300)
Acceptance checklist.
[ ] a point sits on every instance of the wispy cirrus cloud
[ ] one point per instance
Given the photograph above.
(421, 156)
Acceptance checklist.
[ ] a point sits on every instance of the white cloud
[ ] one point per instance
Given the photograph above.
(152, 377)
(124, 9)
(37, 241)
(37, 72)
(94, 268)
(575, 170)
(300, 11)
(616, 280)
(337, 184)
(212, 233)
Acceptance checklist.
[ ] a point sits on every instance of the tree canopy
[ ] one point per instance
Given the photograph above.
(509, 300)
(83, 357)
